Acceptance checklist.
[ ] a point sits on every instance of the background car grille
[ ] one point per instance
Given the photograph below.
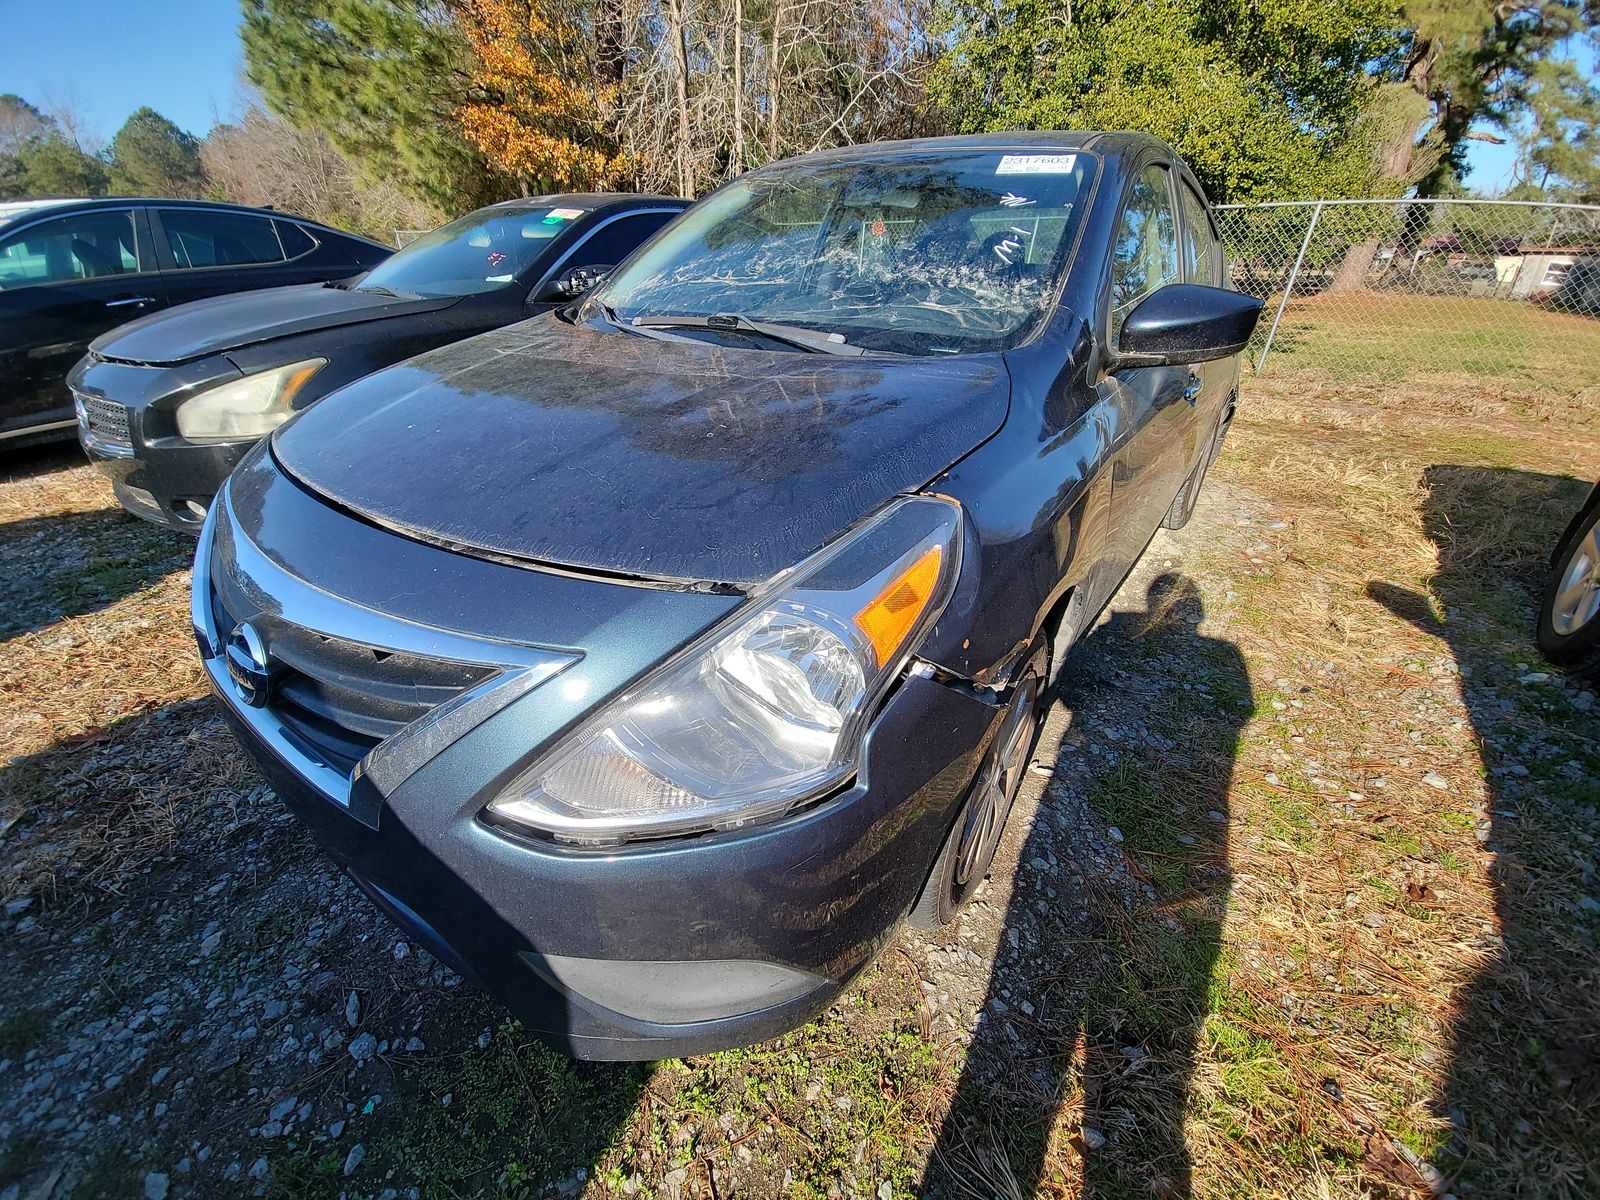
(105, 420)
(341, 698)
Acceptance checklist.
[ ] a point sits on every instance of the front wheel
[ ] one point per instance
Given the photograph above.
(968, 851)
(1569, 614)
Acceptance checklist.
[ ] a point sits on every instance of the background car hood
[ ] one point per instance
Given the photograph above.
(678, 460)
(245, 318)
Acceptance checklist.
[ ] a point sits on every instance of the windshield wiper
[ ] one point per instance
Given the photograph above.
(792, 335)
(379, 290)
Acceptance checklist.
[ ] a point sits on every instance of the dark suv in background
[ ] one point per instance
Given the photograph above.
(71, 270)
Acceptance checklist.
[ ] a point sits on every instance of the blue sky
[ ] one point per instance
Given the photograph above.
(183, 58)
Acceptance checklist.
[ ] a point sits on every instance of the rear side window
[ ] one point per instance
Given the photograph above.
(1199, 239)
(296, 241)
(79, 246)
(1146, 254)
(219, 239)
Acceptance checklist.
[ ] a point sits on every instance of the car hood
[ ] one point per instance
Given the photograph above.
(609, 451)
(210, 326)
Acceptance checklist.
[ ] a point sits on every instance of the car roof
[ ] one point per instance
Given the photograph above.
(591, 201)
(1089, 140)
(17, 208)
(13, 211)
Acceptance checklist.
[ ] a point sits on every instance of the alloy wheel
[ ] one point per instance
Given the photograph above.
(997, 785)
(1577, 600)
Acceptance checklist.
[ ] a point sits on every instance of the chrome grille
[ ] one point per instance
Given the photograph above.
(105, 420)
(341, 698)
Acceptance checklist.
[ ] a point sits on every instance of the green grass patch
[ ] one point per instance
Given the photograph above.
(1125, 799)
(21, 1032)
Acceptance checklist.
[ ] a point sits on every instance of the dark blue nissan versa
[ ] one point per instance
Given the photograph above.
(651, 659)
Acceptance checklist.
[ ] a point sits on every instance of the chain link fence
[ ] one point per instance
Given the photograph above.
(1485, 292)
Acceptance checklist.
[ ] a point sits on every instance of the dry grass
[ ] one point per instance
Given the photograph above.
(1488, 351)
(95, 617)
(1375, 976)
(1403, 927)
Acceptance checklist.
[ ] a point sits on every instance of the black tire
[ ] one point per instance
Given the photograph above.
(1189, 494)
(1183, 503)
(968, 850)
(1573, 595)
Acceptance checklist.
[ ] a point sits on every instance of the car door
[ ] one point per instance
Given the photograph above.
(607, 244)
(1154, 405)
(64, 280)
(1202, 263)
(210, 252)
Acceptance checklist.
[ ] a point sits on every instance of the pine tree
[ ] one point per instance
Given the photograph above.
(384, 80)
(150, 156)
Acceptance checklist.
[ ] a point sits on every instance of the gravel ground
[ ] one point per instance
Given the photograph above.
(196, 1004)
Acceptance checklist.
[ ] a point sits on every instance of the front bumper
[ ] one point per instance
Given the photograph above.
(638, 951)
(127, 427)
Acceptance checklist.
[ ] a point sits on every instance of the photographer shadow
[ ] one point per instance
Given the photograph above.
(1524, 1071)
(1082, 1065)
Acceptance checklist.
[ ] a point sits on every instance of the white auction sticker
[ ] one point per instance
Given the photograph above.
(1035, 164)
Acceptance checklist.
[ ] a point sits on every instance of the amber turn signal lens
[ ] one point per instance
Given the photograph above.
(893, 612)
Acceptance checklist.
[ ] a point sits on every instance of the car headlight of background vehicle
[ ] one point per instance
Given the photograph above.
(251, 407)
(765, 712)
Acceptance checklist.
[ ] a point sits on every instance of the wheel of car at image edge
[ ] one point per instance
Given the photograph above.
(964, 862)
(1569, 614)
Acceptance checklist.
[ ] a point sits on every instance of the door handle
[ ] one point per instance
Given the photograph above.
(1191, 390)
(127, 300)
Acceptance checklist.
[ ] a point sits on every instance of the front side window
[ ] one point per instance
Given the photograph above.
(921, 254)
(200, 238)
(1146, 253)
(480, 251)
(80, 246)
(1199, 262)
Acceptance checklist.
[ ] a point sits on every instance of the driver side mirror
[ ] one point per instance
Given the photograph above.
(571, 284)
(1187, 323)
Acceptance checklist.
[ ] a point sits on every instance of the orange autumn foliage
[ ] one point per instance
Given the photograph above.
(528, 112)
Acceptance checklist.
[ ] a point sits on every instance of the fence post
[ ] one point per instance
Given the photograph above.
(1288, 288)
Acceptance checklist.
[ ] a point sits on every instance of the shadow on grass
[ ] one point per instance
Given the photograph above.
(1081, 1069)
(26, 462)
(58, 567)
(1523, 1092)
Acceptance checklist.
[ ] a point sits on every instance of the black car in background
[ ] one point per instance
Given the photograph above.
(72, 269)
(170, 403)
(652, 659)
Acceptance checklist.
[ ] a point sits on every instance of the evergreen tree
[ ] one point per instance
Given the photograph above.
(1263, 99)
(53, 166)
(150, 156)
(383, 80)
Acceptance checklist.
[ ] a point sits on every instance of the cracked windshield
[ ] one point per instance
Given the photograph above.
(924, 255)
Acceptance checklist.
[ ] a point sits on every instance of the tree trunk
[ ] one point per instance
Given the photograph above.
(609, 48)
(680, 83)
(774, 88)
(1406, 109)
(738, 87)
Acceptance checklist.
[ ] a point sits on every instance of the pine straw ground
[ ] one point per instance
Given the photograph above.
(1318, 912)
(1406, 995)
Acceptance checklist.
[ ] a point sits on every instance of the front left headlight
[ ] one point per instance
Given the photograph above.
(766, 712)
(251, 407)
